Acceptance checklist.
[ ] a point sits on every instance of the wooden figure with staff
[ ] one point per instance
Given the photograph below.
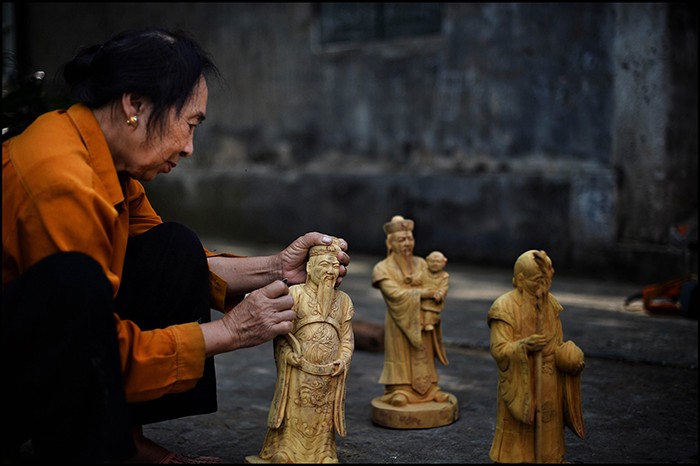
(538, 373)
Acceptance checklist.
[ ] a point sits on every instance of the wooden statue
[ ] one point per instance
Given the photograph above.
(539, 385)
(312, 361)
(414, 295)
(438, 279)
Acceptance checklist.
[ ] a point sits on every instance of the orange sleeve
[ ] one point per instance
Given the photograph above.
(218, 287)
(162, 361)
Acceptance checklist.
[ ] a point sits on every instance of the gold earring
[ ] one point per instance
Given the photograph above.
(132, 120)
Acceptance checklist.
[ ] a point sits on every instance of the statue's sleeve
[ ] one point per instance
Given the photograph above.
(347, 345)
(513, 365)
(403, 304)
(347, 337)
(573, 410)
(445, 284)
(284, 372)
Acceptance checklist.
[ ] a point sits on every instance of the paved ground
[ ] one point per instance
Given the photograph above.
(639, 388)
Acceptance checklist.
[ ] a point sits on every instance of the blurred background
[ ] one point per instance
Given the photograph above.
(496, 127)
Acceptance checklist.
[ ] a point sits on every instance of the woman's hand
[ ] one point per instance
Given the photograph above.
(294, 257)
(245, 274)
(261, 316)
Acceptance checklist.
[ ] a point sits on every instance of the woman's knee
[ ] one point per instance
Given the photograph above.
(175, 240)
(184, 240)
(61, 293)
(73, 281)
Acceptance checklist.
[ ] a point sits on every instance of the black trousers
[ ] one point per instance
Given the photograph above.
(60, 357)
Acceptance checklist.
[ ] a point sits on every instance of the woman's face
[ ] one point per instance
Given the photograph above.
(163, 151)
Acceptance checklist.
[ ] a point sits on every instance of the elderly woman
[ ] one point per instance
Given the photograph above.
(106, 309)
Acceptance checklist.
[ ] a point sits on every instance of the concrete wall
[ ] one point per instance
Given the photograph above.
(565, 127)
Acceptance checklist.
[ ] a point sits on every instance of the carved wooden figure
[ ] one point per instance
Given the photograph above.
(539, 385)
(308, 406)
(437, 279)
(414, 295)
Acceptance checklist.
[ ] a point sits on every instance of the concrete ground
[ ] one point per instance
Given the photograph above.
(639, 387)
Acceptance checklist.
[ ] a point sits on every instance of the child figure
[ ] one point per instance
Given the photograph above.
(436, 278)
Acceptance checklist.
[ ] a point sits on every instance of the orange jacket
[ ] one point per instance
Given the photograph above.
(61, 192)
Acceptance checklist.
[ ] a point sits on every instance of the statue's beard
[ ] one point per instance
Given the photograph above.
(404, 257)
(542, 290)
(324, 293)
(540, 293)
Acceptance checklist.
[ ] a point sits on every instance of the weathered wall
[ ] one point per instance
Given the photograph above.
(655, 149)
(567, 127)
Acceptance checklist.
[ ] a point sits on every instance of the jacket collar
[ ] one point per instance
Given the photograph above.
(98, 150)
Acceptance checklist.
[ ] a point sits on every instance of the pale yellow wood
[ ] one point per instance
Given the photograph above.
(414, 291)
(308, 405)
(538, 373)
(416, 415)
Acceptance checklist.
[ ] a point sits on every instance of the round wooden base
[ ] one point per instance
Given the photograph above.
(255, 459)
(415, 416)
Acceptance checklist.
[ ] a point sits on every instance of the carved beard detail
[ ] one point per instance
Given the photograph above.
(405, 261)
(540, 293)
(324, 294)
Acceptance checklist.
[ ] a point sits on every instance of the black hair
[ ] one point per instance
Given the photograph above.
(163, 66)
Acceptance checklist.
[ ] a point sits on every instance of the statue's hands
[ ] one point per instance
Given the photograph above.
(339, 367)
(293, 258)
(439, 296)
(293, 359)
(428, 293)
(534, 342)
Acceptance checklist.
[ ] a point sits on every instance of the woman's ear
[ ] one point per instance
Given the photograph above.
(132, 105)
